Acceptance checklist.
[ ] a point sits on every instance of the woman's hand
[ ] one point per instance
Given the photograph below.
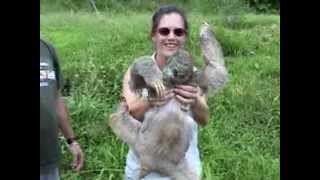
(187, 95)
(191, 97)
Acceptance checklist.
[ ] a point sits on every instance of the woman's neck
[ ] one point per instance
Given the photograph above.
(161, 61)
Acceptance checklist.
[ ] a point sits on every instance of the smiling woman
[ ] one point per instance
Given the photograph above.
(169, 37)
(169, 34)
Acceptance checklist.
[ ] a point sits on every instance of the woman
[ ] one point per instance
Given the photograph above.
(169, 33)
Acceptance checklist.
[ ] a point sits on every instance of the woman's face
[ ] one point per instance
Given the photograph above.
(170, 35)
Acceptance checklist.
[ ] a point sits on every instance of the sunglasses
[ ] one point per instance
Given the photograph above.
(166, 31)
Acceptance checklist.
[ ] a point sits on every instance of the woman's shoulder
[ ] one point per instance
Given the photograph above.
(143, 58)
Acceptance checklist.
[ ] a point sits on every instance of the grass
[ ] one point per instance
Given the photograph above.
(123, 6)
(241, 141)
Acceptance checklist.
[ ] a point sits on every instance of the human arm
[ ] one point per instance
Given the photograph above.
(198, 101)
(138, 106)
(66, 129)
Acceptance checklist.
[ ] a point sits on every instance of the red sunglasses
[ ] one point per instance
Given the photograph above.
(177, 31)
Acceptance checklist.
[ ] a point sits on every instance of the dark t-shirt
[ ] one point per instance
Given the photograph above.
(50, 83)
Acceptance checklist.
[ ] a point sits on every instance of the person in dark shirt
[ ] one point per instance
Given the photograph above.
(53, 116)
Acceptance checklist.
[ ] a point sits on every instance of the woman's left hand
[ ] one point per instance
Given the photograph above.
(186, 94)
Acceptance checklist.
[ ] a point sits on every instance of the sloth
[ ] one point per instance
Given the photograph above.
(149, 82)
(162, 139)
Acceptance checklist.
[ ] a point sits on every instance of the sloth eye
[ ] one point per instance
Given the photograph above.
(175, 73)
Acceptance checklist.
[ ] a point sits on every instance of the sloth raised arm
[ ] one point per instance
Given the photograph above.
(215, 70)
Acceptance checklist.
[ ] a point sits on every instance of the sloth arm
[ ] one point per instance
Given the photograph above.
(138, 106)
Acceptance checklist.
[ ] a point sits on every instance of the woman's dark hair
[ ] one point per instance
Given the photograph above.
(168, 9)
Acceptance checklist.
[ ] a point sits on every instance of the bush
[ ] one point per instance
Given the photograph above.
(264, 5)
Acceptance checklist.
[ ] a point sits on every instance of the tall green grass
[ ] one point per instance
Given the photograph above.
(241, 140)
(123, 6)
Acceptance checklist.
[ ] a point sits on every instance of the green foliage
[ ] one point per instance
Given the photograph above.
(264, 5)
(240, 142)
(123, 6)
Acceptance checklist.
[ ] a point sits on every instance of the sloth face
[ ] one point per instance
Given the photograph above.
(179, 68)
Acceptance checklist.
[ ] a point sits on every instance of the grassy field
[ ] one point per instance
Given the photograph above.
(241, 141)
